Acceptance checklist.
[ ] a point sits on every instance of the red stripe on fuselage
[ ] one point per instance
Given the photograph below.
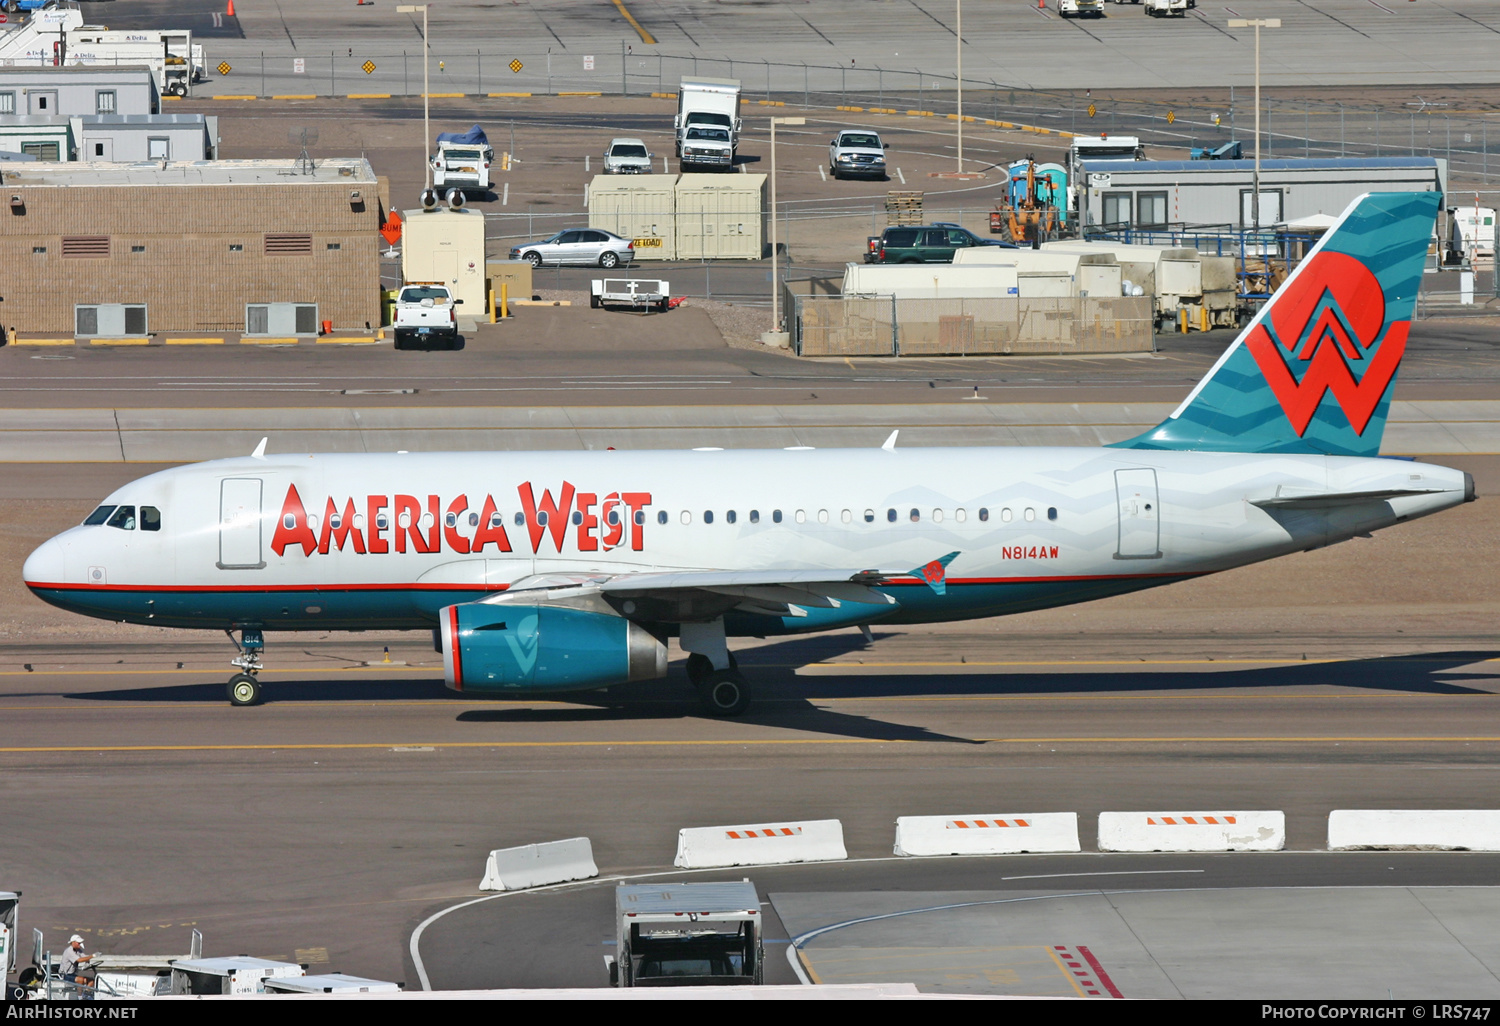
(266, 588)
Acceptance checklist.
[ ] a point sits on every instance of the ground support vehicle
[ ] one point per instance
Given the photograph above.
(708, 102)
(1079, 8)
(627, 157)
(427, 312)
(856, 152)
(637, 293)
(687, 935)
(1167, 8)
(238, 975)
(111, 976)
(462, 161)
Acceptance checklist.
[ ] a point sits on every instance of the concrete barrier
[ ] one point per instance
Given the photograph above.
(1192, 831)
(535, 865)
(760, 844)
(1414, 829)
(987, 835)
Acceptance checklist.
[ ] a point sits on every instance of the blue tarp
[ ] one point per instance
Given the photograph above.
(473, 137)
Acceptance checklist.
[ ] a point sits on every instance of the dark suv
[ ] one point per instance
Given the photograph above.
(924, 244)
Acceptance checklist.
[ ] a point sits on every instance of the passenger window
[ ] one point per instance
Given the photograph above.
(937, 516)
(1005, 515)
(577, 518)
(640, 517)
(404, 520)
(496, 518)
(336, 521)
(890, 515)
(687, 518)
(474, 520)
(150, 518)
(869, 516)
(708, 516)
(661, 517)
(916, 515)
(1030, 514)
(729, 517)
(984, 514)
(99, 516)
(520, 519)
(124, 518)
(776, 516)
(755, 516)
(822, 516)
(541, 517)
(846, 516)
(382, 521)
(960, 515)
(612, 519)
(1051, 512)
(359, 521)
(801, 517)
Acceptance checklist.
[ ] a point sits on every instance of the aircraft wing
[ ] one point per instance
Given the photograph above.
(679, 595)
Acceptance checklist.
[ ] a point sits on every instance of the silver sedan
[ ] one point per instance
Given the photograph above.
(590, 246)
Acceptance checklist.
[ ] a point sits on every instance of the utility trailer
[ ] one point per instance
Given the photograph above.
(114, 976)
(687, 935)
(637, 293)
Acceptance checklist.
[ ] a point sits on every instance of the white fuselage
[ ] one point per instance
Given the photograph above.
(410, 533)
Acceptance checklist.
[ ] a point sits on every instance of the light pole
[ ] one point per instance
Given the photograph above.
(1257, 24)
(959, 76)
(775, 258)
(426, 92)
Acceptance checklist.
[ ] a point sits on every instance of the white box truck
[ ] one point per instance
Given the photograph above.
(707, 124)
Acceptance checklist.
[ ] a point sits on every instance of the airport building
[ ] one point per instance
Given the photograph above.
(79, 89)
(1155, 195)
(263, 247)
(111, 137)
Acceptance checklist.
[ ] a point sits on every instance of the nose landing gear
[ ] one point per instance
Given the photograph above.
(244, 687)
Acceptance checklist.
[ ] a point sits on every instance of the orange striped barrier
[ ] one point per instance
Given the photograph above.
(1004, 834)
(1192, 831)
(760, 844)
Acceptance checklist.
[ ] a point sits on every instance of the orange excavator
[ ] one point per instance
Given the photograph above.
(1027, 213)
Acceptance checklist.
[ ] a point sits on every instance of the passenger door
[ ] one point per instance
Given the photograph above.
(566, 250)
(240, 528)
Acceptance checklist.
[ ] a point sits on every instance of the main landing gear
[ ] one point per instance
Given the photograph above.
(712, 670)
(244, 687)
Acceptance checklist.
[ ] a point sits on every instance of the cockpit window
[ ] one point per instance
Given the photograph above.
(150, 518)
(124, 518)
(99, 516)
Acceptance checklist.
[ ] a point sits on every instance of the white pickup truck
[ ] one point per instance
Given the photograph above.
(426, 312)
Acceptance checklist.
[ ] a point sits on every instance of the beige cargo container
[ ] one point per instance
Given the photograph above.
(720, 217)
(641, 208)
(446, 246)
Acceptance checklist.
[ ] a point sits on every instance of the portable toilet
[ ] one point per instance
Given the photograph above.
(446, 245)
(719, 217)
(641, 208)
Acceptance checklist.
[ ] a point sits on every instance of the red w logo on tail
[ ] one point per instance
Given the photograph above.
(1330, 314)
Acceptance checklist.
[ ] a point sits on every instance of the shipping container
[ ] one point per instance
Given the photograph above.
(720, 217)
(641, 208)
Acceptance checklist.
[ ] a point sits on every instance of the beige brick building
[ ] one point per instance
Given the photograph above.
(254, 246)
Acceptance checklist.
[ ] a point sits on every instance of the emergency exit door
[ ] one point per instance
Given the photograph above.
(240, 524)
(1140, 514)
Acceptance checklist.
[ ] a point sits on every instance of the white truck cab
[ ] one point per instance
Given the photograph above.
(427, 312)
(708, 121)
(1079, 8)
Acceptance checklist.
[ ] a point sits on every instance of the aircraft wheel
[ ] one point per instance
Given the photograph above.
(725, 693)
(244, 690)
(698, 668)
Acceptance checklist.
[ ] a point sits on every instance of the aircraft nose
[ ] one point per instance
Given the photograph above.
(45, 565)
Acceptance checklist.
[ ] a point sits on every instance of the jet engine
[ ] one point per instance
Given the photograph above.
(505, 647)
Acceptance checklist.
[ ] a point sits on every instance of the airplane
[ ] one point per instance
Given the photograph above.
(552, 572)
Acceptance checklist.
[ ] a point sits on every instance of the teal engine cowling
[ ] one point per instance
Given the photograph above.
(504, 647)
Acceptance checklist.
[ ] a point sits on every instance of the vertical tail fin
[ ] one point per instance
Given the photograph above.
(1313, 372)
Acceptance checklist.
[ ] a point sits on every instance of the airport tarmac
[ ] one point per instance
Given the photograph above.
(361, 799)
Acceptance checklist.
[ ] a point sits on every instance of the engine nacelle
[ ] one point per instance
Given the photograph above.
(504, 647)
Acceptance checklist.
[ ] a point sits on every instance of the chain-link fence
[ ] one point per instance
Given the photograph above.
(886, 326)
(1290, 126)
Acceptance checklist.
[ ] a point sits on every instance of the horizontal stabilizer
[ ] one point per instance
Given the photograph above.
(1326, 499)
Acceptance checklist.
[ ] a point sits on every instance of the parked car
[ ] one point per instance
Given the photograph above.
(577, 246)
(626, 157)
(856, 152)
(925, 244)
